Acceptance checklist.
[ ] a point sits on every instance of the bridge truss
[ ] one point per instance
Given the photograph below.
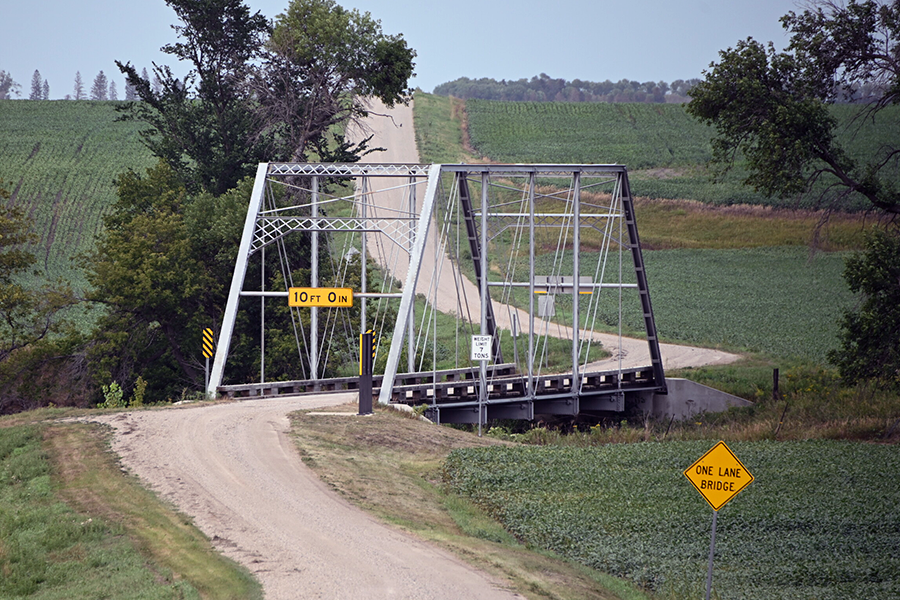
(538, 257)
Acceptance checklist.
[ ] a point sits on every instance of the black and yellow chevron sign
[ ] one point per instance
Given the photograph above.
(208, 344)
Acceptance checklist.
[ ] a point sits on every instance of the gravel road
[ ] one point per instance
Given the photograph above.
(234, 470)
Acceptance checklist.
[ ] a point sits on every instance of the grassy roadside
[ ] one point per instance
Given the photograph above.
(75, 526)
(390, 465)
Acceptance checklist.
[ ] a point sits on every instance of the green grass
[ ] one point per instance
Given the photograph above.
(821, 520)
(741, 278)
(59, 160)
(47, 550)
(779, 301)
(439, 135)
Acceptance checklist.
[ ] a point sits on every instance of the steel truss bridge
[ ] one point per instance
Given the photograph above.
(538, 257)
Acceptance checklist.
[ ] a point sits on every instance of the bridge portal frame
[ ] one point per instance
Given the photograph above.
(260, 230)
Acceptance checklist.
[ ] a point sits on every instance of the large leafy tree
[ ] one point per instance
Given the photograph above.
(164, 262)
(203, 125)
(162, 268)
(320, 64)
(771, 107)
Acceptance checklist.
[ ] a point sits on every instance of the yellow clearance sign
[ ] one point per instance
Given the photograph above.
(305, 297)
(718, 475)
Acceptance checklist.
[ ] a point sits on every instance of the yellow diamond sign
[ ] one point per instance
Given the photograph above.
(718, 475)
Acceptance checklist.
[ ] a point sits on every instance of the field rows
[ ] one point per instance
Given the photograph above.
(821, 520)
(776, 301)
(60, 159)
(665, 148)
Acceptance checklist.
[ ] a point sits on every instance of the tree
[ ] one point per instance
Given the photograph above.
(37, 91)
(26, 315)
(227, 115)
(869, 347)
(78, 91)
(45, 91)
(162, 267)
(8, 87)
(113, 93)
(100, 87)
(164, 262)
(321, 62)
(203, 126)
(772, 107)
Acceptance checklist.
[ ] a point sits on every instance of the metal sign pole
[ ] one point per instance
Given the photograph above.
(712, 551)
(208, 345)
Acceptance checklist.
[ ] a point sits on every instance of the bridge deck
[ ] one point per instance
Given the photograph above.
(452, 394)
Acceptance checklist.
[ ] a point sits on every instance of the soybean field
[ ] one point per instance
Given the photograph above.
(59, 159)
(821, 520)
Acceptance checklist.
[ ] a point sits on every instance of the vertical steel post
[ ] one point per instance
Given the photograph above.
(477, 250)
(485, 299)
(262, 317)
(712, 553)
(531, 225)
(409, 286)
(237, 280)
(576, 282)
(314, 282)
(366, 364)
(410, 324)
(640, 275)
(362, 254)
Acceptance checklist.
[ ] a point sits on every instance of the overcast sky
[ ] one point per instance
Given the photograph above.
(574, 39)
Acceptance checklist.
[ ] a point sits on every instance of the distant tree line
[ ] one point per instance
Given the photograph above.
(543, 88)
(102, 88)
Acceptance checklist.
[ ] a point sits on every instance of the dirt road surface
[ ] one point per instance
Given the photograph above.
(392, 129)
(235, 471)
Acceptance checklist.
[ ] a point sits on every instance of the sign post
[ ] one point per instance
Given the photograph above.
(719, 476)
(366, 368)
(481, 351)
(208, 349)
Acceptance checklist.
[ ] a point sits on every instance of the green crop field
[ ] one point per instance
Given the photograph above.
(664, 147)
(778, 301)
(59, 160)
(821, 520)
